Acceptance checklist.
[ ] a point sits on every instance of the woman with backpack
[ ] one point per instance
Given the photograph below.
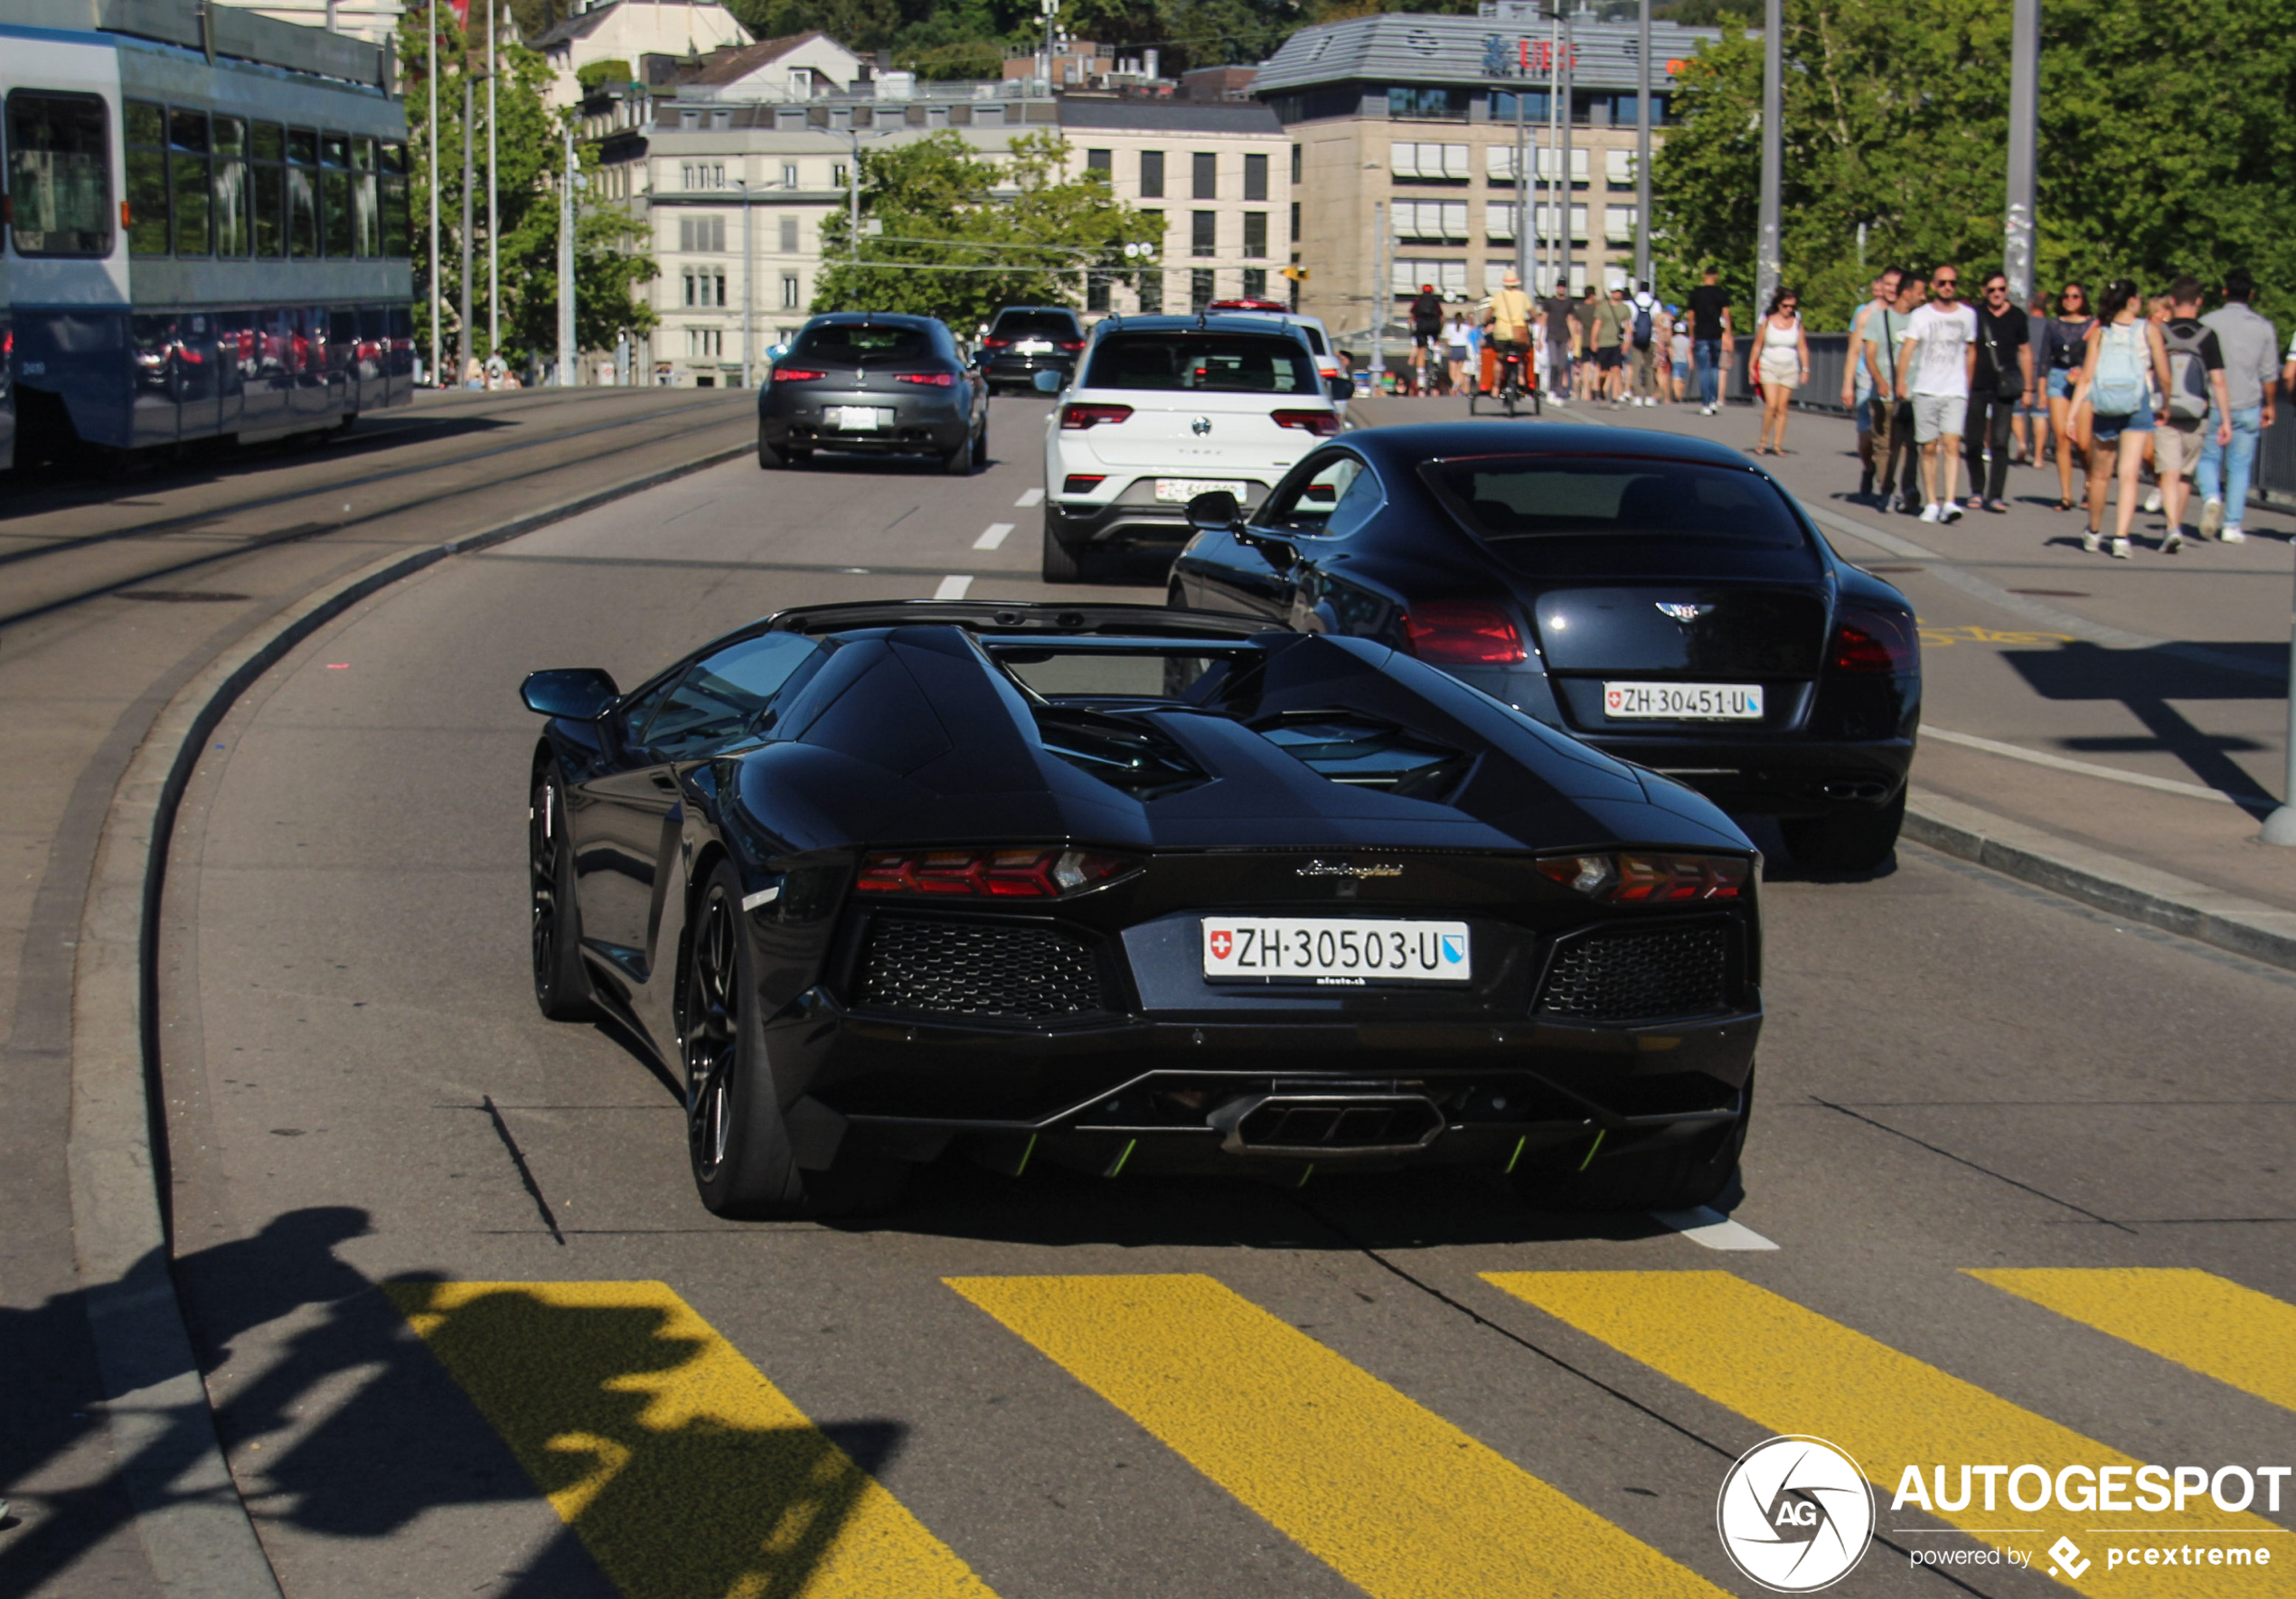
(2125, 365)
(2063, 346)
(1782, 363)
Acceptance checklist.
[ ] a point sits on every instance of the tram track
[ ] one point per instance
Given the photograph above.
(417, 488)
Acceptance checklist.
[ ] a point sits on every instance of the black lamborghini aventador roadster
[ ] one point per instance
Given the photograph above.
(1133, 889)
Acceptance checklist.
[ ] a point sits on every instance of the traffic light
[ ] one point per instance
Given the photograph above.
(1296, 274)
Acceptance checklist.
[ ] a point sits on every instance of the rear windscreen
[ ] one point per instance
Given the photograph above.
(1011, 324)
(1584, 514)
(852, 341)
(1242, 363)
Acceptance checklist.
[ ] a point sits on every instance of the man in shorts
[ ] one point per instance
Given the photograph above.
(1612, 317)
(1583, 317)
(1940, 357)
(1426, 332)
(1558, 341)
(2199, 403)
(1856, 385)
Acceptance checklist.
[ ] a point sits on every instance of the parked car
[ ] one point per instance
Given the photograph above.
(876, 383)
(1166, 409)
(1026, 340)
(1131, 890)
(1657, 596)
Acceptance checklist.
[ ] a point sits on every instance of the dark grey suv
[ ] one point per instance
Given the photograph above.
(1026, 340)
(878, 383)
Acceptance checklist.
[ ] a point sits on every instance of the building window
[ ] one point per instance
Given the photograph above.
(788, 175)
(1152, 293)
(1435, 220)
(789, 291)
(1535, 104)
(1414, 101)
(705, 343)
(1256, 283)
(701, 235)
(1152, 175)
(1618, 223)
(1204, 239)
(1207, 174)
(1200, 288)
(705, 289)
(1254, 235)
(1450, 277)
(1096, 292)
(1296, 164)
(837, 174)
(1102, 162)
(789, 236)
(1431, 164)
(1256, 177)
(1295, 222)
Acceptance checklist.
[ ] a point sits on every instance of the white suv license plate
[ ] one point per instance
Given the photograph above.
(1336, 954)
(1687, 703)
(1179, 491)
(860, 418)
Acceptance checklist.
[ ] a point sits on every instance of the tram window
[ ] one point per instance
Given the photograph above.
(267, 142)
(230, 186)
(366, 214)
(189, 181)
(396, 242)
(59, 174)
(146, 179)
(302, 192)
(334, 193)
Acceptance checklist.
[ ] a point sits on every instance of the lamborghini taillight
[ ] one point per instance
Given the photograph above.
(1650, 877)
(1046, 872)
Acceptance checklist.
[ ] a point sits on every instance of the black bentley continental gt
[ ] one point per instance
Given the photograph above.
(1661, 597)
(1132, 889)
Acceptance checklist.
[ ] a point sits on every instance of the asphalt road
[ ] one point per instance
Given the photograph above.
(468, 1330)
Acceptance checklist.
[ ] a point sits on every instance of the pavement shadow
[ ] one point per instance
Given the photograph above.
(675, 1468)
(2146, 682)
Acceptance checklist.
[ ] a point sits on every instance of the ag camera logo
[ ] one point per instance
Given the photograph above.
(1795, 1514)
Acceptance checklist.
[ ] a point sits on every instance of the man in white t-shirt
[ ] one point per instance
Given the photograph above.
(1939, 357)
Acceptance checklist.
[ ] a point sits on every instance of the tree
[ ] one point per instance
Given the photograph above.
(1897, 117)
(959, 234)
(608, 265)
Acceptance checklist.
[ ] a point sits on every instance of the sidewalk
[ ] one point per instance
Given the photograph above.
(2154, 689)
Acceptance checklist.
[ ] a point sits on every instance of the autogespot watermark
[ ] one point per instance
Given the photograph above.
(2148, 1489)
(1795, 1514)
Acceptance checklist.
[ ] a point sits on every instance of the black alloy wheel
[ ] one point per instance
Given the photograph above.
(561, 982)
(960, 461)
(1855, 838)
(769, 457)
(981, 448)
(1060, 564)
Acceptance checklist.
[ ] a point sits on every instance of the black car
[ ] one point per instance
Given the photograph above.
(1658, 597)
(878, 383)
(1129, 890)
(1026, 340)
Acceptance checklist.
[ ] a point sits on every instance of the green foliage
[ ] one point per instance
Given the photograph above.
(598, 74)
(608, 262)
(2164, 146)
(1022, 230)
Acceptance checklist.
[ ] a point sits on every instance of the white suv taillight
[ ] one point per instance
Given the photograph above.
(1081, 415)
(1323, 423)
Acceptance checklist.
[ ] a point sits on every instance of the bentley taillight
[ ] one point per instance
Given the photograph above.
(1648, 878)
(1030, 872)
(1461, 632)
(1874, 640)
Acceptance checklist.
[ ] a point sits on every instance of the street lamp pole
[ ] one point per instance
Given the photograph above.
(566, 264)
(1642, 150)
(1379, 295)
(749, 276)
(1766, 262)
(1563, 177)
(437, 294)
(464, 352)
(2280, 827)
(2025, 99)
(494, 211)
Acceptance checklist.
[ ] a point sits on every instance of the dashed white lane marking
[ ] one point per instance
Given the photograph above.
(1713, 1229)
(996, 535)
(952, 589)
(1030, 497)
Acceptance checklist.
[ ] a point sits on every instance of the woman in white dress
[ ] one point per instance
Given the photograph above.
(1782, 365)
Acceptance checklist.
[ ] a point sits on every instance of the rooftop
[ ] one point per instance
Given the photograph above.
(1462, 51)
(1147, 116)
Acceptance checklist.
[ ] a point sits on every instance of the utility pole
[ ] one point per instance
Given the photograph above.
(1563, 178)
(2025, 97)
(494, 213)
(1643, 148)
(852, 197)
(1766, 264)
(437, 304)
(1522, 169)
(462, 338)
(1547, 178)
(1379, 274)
(749, 273)
(566, 264)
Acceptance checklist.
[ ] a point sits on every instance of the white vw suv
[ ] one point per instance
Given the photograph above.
(1167, 407)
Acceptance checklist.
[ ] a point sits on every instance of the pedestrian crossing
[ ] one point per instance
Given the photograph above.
(686, 1473)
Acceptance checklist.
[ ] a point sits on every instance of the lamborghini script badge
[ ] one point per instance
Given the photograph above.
(1342, 868)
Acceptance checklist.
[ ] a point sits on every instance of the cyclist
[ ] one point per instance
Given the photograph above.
(1510, 326)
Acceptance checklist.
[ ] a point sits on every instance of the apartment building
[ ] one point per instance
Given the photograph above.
(1218, 174)
(1404, 136)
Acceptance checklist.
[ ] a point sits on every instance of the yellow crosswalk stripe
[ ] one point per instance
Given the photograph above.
(2195, 1318)
(685, 1474)
(1395, 1498)
(1793, 1370)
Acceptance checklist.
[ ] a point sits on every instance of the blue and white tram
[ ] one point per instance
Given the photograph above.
(206, 227)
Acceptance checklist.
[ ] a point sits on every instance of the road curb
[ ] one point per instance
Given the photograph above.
(2110, 883)
(195, 1531)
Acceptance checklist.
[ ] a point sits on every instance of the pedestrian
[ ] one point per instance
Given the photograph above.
(2198, 403)
(1558, 341)
(1512, 314)
(1641, 339)
(1457, 347)
(2002, 381)
(1586, 368)
(1711, 337)
(1474, 357)
(2125, 359)
(1679, 346)
(1427, 329)
(2247, 342)
(1614, 321)
(2157, 310)
(2028, 425)
(1781, 361)
(1893, 408)
(2062, 346)
(1942, 342)
(1856, 382)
